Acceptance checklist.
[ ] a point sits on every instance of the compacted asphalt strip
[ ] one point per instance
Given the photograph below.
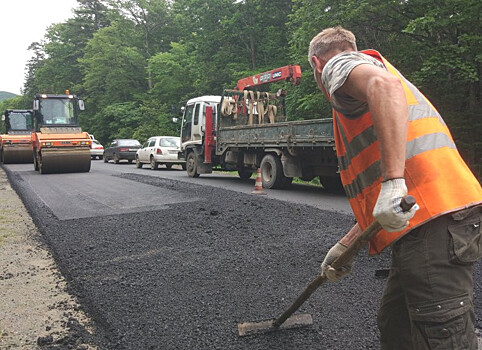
(184, 274)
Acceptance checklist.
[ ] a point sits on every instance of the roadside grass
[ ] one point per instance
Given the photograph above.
(315, 182)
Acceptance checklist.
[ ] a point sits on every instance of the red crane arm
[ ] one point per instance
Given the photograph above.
(290, 73)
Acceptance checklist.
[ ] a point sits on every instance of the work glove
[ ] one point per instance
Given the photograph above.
(387, 210)
(332, 274)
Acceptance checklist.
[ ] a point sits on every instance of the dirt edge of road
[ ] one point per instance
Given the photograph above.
(36, 310)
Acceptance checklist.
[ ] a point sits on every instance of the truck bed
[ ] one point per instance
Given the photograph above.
(313, 133)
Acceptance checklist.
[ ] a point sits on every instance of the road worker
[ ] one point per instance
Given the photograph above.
(390, 142)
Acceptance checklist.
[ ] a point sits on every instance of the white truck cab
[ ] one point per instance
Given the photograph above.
(193, 119)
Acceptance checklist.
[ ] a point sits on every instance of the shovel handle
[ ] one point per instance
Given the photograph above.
(407, 203)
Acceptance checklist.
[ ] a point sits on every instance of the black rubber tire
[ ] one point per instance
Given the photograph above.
(183, 166)
(332, 183)
(286, 182)
(138, 163)
(100, 157)
(168, 166)
(106, 160)
(116, 159)
(272, 172)
(191, 166)
(154, 164)
(245, 173)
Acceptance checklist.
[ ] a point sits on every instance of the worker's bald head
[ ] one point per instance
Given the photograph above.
(330, 39)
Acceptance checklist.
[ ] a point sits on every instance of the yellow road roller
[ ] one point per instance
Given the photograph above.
(59, 144)
(16, 143)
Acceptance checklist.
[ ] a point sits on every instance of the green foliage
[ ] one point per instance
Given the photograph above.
(135, 60)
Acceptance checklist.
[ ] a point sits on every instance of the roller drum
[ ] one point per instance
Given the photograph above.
(64, 161)
(17, 154)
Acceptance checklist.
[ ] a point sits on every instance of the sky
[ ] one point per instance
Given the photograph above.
(21, 23)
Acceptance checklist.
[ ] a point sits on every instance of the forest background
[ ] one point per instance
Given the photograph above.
(136, 62)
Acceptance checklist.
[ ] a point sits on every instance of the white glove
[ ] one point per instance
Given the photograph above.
(387, 210)
(330, 273)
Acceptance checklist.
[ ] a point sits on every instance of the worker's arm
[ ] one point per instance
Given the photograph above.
(389, 110)
(388, 106)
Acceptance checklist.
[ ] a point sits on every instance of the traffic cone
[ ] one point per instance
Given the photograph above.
(258, 185)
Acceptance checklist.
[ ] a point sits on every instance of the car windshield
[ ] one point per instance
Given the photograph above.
(170, 142)
(57, 111)
(20, 121)
(129, 143)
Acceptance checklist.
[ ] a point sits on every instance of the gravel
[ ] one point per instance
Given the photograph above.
(184, 276)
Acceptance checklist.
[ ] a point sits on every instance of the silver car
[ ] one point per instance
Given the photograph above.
(160, 150)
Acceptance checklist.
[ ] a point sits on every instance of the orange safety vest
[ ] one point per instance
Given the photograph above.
(435, 173)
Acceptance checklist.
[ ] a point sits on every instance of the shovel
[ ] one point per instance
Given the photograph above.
(285, 320)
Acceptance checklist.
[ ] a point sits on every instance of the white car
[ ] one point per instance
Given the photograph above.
(160, 150)
(97, 150)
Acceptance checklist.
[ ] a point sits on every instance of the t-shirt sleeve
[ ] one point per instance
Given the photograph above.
(334, 75)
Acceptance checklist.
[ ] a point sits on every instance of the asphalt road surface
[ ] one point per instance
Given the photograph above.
(162, 261)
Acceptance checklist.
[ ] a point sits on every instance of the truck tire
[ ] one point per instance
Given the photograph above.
(138, 163)
(272, 174)
(245, 173)
(331, 183)
(191, 165)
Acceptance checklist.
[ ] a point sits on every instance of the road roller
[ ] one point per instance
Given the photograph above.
(16, 143)
(59, 144)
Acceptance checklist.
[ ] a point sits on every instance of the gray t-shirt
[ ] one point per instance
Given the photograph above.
(334, 75)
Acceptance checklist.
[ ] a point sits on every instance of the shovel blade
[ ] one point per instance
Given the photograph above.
(295, 321)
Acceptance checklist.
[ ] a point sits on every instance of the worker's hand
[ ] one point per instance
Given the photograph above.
(387, 210)
(332, 274)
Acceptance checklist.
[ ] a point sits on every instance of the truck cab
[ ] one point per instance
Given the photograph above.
(193, 119)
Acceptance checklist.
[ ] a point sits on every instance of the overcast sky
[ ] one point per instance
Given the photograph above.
(21, 23)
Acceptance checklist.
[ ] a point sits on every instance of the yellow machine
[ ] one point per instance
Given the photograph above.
(59, 144)
(16, 143)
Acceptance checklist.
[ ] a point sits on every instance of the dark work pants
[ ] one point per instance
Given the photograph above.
(428, 298)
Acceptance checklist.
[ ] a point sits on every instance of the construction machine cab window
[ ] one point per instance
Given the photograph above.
(18, 121)
(58, 111)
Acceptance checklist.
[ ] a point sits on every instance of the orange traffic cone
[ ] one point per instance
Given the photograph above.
(258, 185)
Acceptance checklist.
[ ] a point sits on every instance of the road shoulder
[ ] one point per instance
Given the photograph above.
(36, 310)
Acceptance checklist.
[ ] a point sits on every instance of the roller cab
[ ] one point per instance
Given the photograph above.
(59, 144)
(16, 143)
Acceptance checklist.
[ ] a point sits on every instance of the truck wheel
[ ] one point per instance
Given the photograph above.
(331, 183)
(106, 160)
(191, 166)
(286, 182)
(138, 163)
(244, 173)
(272, 172)
(183, 166)
(154, 164)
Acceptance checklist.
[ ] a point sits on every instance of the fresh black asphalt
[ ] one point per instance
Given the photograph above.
(183, 276)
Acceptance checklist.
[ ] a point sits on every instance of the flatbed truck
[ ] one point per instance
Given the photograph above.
(245, 129)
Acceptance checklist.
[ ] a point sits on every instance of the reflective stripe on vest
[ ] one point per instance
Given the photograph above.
(435, 173)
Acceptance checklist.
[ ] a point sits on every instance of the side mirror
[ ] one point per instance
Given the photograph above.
(81, 105)
(182, 110)
(175, 120)
(36, 105)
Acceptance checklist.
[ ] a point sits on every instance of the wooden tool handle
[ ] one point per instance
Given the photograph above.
(407, 203)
